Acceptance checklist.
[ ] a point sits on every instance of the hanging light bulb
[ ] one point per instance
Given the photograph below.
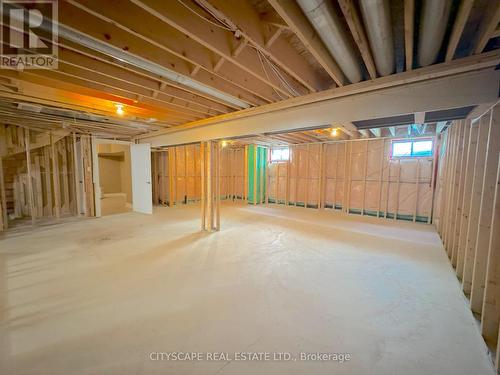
(224, 144)
(119, 109)
(334, 132)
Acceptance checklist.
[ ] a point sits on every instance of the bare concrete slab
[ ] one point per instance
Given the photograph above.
(108, 295)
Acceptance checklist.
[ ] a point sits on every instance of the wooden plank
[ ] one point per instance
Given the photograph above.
(417, 183)
(358, 33)
(365, 171)
(398, 185)
(299, 24)
(38, 192)
(76, 178)
(209, 166)
(203, 187)
(62, 145)
(458, 27)
(55, 178)
(477, 188)
(485, 212)
(490, 316)
(29, 177)
(3, 197)
(461, 190)
(456, 189)
(255, 148)
(344, 198)
(380, 177)
(306, 200)
(245, 168)
(217, 185)
(488, 26)
(466, 200)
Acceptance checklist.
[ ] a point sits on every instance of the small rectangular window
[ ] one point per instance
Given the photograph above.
(280, 154)
(412, 148)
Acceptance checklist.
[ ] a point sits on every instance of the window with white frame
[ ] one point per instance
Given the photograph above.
(412, 148)
(280, 154)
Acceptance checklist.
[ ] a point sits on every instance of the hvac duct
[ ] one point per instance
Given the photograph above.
(433, 22)
(377, 19)
(135, 60)
(325, 21)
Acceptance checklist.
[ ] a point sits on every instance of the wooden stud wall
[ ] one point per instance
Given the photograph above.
(41, 181)
(356, 177)
(468, 213)
(177, 173)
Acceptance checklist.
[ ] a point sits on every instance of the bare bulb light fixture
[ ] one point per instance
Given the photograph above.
(334, 132)
(119, 109)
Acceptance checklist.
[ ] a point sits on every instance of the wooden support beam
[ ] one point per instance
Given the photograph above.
(3, 197)
(76, 178)
(203, 187)
(246, 19)
(29, 177)
(490, 316)
(299, 24)
(55, 179)
(477, 188)
(486, 211)
(358, 33)
(458, 27)
(488, 26)
(210, 195)
(217, 185)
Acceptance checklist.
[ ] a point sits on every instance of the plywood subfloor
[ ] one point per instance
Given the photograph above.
(98, 296)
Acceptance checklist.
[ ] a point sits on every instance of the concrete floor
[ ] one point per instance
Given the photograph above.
(97, 296)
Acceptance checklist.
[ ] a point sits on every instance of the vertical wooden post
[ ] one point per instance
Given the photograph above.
(77, 179)
(477, 189)
(262, 175)
(29, 175)
(65, 175)
(38, 192)
(365, 171)
(3, 197)
(55, 178)
(382, 152)
(217, 185)
(397, 190)
(485, 212)
(306, 199)
(490, 316)
(321, 182)
(277, 183)
(245, 178)
(417, 182)
(255, 147)
(209, 186)
(203, 185)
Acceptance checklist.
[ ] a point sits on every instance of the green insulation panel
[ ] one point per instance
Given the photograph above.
(257, 160)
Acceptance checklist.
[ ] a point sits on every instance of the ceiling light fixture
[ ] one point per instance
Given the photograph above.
(334, 132)
(119, 109)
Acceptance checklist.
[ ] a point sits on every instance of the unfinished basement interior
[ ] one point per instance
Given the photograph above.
(250, 187)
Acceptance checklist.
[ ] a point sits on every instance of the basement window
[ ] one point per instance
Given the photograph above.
(412, 148)
(280, 154)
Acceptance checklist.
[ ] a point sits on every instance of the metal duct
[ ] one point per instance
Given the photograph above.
(325, 21)
(377, 18)
(140, 62)
(433, 23)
